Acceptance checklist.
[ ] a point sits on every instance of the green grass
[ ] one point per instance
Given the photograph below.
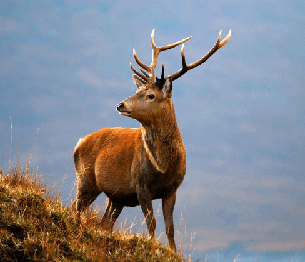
(34, 226)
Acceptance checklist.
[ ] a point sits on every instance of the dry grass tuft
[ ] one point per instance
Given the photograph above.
(36, 227)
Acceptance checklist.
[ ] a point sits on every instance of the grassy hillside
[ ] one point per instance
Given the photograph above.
(34, 226)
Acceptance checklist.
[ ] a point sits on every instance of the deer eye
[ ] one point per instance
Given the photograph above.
(151, 96)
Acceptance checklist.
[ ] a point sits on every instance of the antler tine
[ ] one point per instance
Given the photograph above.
(139, 62)
(140, 79)
(145, 73)
(226, 40)
(162, 74)
(156, 50)
(145, 78)
(169, 46)
(219, 44)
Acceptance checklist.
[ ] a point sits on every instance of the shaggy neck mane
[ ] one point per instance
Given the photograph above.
(162, 139)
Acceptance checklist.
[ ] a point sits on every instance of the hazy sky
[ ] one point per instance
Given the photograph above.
(65, 65)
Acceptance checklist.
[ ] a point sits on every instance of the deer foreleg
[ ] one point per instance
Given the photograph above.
(145, 200)
(168, 204)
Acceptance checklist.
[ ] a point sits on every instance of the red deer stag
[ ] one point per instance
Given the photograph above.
(135, 166)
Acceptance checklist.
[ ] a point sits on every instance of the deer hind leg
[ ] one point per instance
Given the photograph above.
(145, 200)
(111, 214)
(168, 204)
(86, 193)
(87, 190)
(84, 198)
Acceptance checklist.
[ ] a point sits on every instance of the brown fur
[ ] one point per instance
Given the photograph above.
(134, 166)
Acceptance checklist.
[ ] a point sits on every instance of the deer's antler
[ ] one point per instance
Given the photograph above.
(148, 76)
(219, 44)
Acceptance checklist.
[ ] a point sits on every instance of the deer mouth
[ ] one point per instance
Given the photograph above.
(125, 113)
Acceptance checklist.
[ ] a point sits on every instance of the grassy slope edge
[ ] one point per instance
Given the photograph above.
(37, 227)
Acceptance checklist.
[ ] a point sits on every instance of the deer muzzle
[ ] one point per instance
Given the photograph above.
(123, 109)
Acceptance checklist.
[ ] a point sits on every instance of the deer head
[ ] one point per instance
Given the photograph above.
(153, 94)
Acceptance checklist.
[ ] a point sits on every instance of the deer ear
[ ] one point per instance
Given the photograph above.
(137, 81)
(167, 88)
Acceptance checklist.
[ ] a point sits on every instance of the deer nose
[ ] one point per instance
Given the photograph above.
(120, 106)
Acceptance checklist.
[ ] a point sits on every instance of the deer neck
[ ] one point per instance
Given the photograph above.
(162, 140)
